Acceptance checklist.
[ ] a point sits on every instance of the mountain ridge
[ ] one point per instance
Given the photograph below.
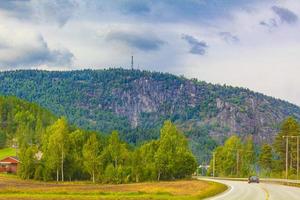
(152, 71)
(137, 102)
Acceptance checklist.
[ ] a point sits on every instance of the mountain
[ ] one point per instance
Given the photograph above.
(21, 119)
(137, 102)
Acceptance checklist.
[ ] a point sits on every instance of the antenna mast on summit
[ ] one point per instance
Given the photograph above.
(132, 62)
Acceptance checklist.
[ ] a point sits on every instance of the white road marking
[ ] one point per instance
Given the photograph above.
(225, 193)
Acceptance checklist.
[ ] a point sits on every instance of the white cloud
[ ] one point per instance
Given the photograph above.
(24, 47)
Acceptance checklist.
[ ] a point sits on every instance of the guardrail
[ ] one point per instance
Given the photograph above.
(269, 180)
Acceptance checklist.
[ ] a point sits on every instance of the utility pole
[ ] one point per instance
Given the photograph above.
(214, 163)
(298, 158)
(286, 157)
(132, 62)
(287, 154)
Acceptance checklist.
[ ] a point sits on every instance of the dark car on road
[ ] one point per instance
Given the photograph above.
(253, 179)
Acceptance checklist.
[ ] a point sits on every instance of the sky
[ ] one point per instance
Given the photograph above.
(253, 44)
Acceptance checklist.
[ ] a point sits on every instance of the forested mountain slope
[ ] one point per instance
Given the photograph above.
(137, 102)
(21, 119)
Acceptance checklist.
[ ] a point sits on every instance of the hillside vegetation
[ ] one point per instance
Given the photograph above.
(49, 148)
(21, 120)
(136, 103)
(241, 159)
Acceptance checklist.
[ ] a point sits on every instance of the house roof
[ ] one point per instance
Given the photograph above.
(10, 159)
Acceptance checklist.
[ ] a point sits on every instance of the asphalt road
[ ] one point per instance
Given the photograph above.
(241, 190)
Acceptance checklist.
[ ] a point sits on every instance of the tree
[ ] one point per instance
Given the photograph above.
(25, 127)
(172, 153)
(91, 155)
(228, 157)
(247, 157)
(58, 145)
(2, 139)
(147, 154)
(232, 152)
(289, 127)
(137, 165)
(75, 157)
(110, 174)
(28, 160)
(265, 158)
(114, 148)
(217, 163)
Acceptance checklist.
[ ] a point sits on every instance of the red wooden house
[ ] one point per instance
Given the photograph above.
(9, 164)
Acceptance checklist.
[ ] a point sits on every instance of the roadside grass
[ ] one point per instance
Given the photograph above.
(7, 152)
(12, 187)
(216, 188)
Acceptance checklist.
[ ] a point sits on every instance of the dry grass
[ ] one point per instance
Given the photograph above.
(13, 188)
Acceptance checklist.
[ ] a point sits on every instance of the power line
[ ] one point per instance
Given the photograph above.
(287, 155)
(237, 159)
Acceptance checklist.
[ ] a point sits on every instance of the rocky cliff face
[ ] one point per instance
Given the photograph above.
(136, 103)
(226, 110)
(256, 117)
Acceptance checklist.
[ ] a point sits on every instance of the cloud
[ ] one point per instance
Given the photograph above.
(285, 14)
(271, 23)
(54, 10)
(191, 11)
(40, 11)
(195, 11)
(196, 46)
(229, 38)
(18, 50)
(135, 7)
(16, 8)
(60, 11)
(141, 41)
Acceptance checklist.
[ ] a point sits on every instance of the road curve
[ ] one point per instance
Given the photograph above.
(241, 190)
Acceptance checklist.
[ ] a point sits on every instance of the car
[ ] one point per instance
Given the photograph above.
(253, 179)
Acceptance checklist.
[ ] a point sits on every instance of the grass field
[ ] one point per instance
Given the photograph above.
(13, 188)
(7, 152)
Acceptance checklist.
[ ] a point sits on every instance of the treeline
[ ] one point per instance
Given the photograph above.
(51, 149)
(106, 100)
(72, 154)
(235, 158)
(241, 159)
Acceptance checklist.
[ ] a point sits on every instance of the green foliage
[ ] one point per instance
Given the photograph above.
(26, 168)
(91, 156)
(104, 100)
(57, 146)
(201, 143)
(235, 158)
(63, 152)
(173, 153)
(248, 157)
(289, 127)
(265, 159)
(147, 163)
(22, 122)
